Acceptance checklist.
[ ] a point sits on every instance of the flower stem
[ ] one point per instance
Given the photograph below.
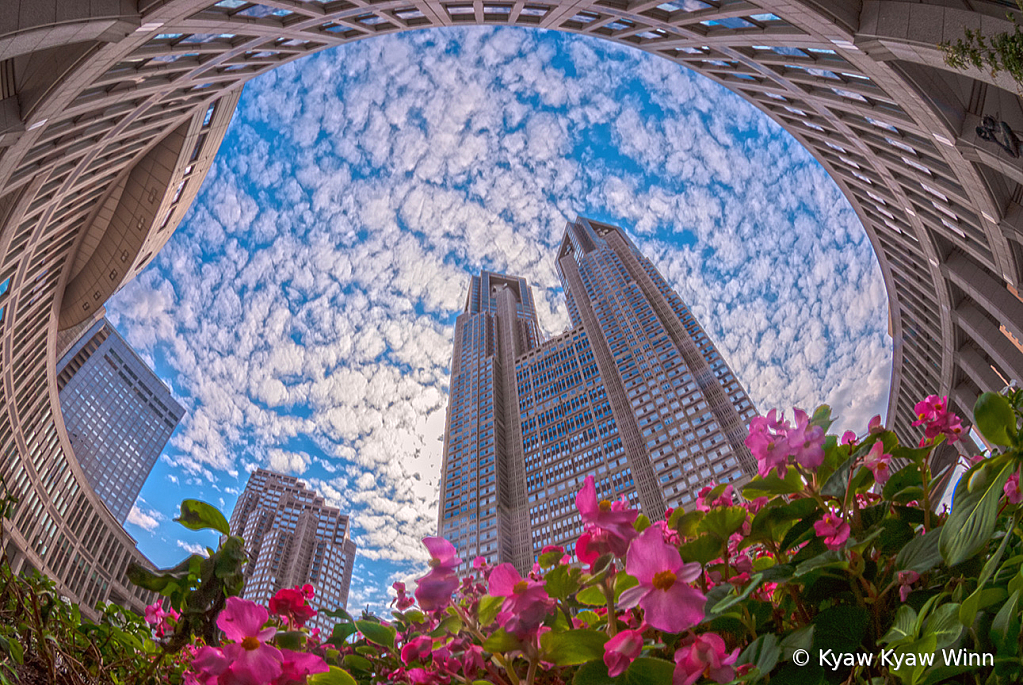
(609, 597)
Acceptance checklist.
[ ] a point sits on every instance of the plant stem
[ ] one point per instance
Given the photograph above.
(609, 597)
(531, 674)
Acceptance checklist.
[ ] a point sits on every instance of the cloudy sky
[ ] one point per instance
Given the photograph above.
(303, 311)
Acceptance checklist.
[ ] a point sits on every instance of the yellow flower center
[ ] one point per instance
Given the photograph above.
(604, 505)
(250, 643)
(664, 580)
(521, 587)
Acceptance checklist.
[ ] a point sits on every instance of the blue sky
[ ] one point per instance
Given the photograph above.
(303, 311)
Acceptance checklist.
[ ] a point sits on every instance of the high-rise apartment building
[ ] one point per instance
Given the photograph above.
(292, 538)
(119, 415)
(634, 394)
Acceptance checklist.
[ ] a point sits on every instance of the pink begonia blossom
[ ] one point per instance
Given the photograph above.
(878, 463)
(526, 601)
(933, 414)
(612, 517)
(621, 650)
(725, 499)
(1012, 490)
(668, 603)
(768, 442)
(291, 603)
(402, 601)
(806, 442)
(417, 649)
(875, 425)
(434, 589)
(848, 438)
(207, 665)
(833, 529)
(252, 660)
(297, 666)
(591, 546)
(706, 656)
(906, 580)
(162, 621)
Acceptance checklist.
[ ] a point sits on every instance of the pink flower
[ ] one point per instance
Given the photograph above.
(298, 665)
(434, 589)
(875, 425)
(706, 656)
(848, 438)
(620, 651)
(833, 529)
(402, 600)
(162, 621)
(417, 649)
(768, 442)
(806, 442)
(1012, 490)
(591, 546)
(669, 604)
(206, 667)
(291, 603)
(611, 517)
(906, 580)
(252, 660)
(934, 416)
(526, 602)
(723, 500)
(878, 463)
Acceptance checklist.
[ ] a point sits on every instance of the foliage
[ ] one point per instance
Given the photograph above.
(835, 568)
(998, 53)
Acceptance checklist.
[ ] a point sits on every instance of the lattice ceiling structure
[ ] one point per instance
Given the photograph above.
(111, 112)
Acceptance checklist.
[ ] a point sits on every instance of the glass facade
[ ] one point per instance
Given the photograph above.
(293, 538)
(635, 394)
(118, 414)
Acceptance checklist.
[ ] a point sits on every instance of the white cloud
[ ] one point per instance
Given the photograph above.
(193, 548)
(147, 519)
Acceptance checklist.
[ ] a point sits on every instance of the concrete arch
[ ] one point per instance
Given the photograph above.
(111, 113)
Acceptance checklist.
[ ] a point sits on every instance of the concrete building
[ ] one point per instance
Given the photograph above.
(111, 112)
(119, 415)
(293, 538)
(634, 394)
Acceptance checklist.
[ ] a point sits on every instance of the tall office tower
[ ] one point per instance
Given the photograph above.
(293, 538)
(118, 414)
(634, 394)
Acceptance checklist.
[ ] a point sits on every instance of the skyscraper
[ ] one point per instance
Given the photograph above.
(293, 538)
(119, 415)
(634, 394)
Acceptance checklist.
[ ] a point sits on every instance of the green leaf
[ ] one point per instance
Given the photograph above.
(335, 676)
(731, 600)
(773, 521)
(377, 632)
(358, 663)
(501, 641)
(572, 647)
(911, 674)
(944, 625)
(980, 599)
(623, 581)
(994, 418)
(841, 628)
(831, 558)
(723, 521)
(839, 480)
(647, 671)
(550, 559)
(801, 638)
(920, 554)
(895, 535)
(703, 549)
(686, 523)
(641, 523)
(562, 581)
(196, 515)
(903, 631)
(763, 653)
(595, 673)
(1005, 628)
(589, 617)
(290, 639)
(489, 607)
(773, 485)
(974, 514)
(903, 480)
(593, 596)
(341, 632)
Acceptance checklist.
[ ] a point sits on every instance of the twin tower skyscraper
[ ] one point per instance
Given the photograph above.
(634, 394)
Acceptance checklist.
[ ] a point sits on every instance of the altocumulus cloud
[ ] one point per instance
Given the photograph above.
(304, 309)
